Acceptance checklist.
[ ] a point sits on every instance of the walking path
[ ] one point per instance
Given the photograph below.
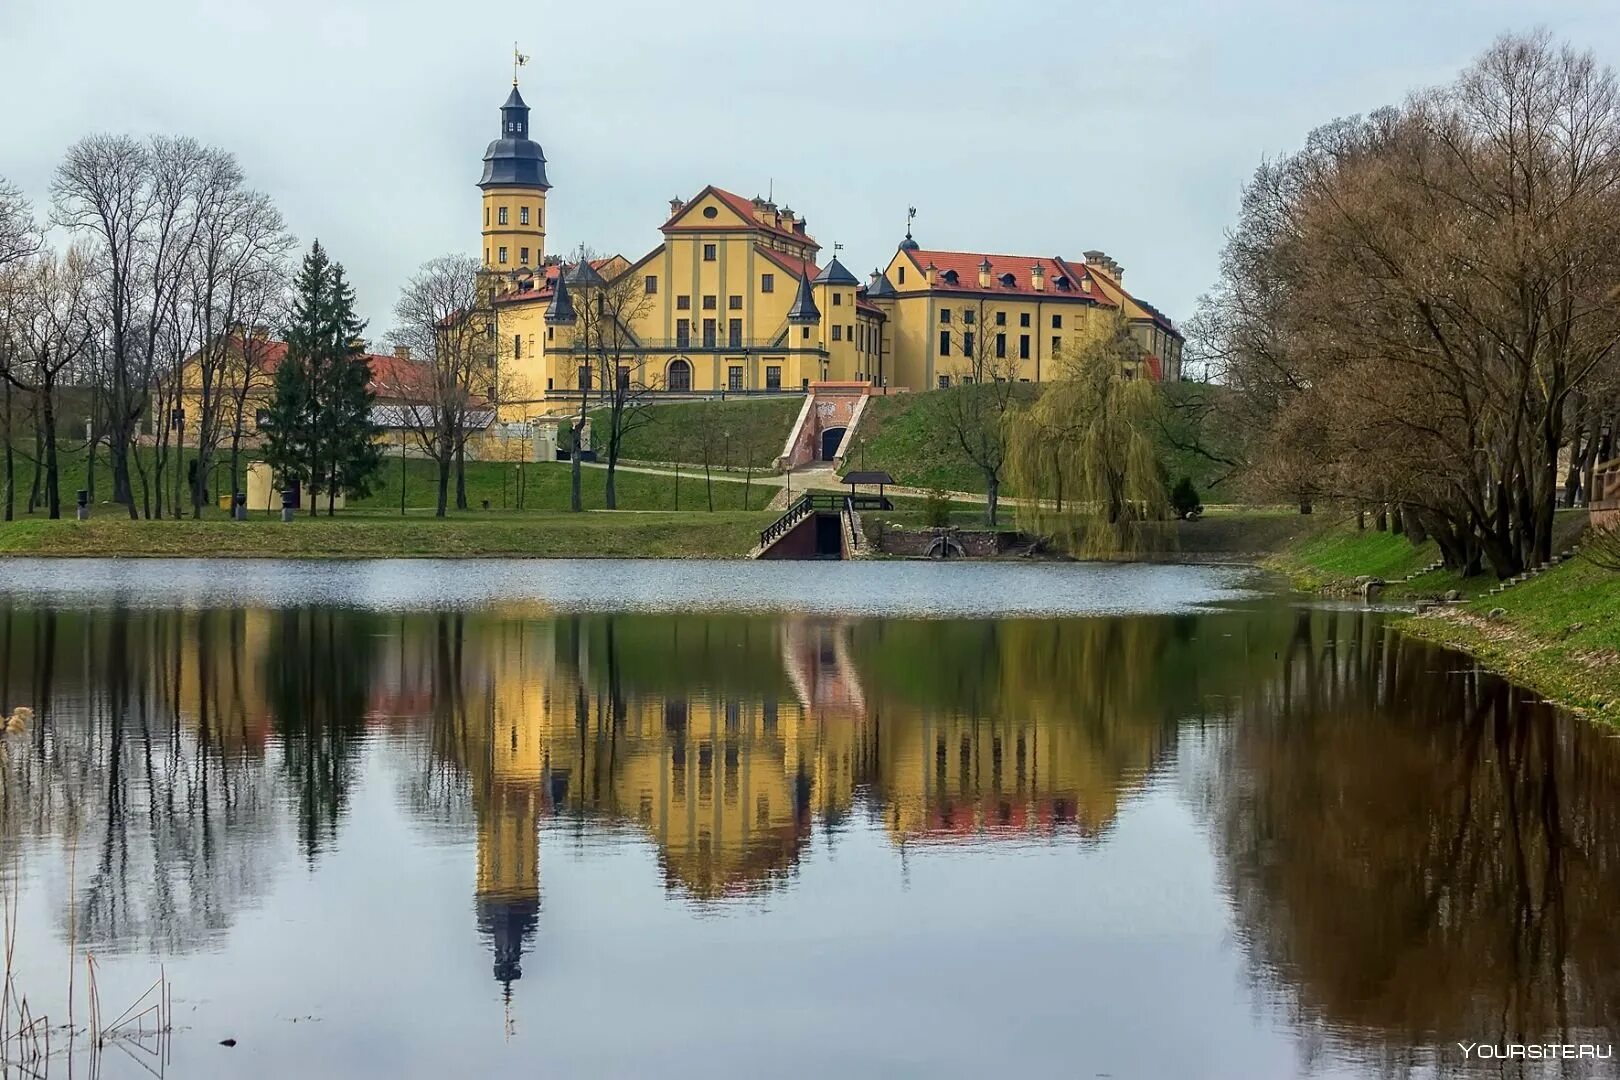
(819, 477)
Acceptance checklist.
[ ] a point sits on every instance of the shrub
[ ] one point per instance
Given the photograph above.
(1184, 498)
(937, 508)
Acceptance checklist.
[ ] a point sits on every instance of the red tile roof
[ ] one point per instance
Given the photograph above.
(388, 372)
(966, 264)
(797, 267)
(744, 208)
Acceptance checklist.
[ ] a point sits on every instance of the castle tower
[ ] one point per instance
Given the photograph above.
(514, 185)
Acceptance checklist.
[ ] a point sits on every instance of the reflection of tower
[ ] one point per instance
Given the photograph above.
(508, 897)
(510, 802)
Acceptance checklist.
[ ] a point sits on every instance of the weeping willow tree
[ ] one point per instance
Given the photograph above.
(1083, 458)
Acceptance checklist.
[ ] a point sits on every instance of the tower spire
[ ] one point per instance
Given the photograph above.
(519, 59)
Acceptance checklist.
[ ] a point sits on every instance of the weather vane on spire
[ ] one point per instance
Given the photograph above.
(519, 59)
(911, 212)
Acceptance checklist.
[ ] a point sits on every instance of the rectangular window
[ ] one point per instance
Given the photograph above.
(1057, 344)
(1001, 318)
(734, 333)
(773, 378)
(523, 256)
(710, 303)
(708, 333)
(709, 254)
(502, 254)
(734, 377)
(651, 284)
(968, 316)
(1057, 322)
(1023, 318)
(944, 343)
(734, 303)
(523, 216)
(838, 332)
(1001, 345)
(551, 384)
(683, 333)
(500, 216)
(804, 332)
(860, 337)
(838, 299)
(486, 217)
(902, 275)
(517, 346)
(1023, 346)
(944, 315)
(944, 382)
(624, 378)
(683, 303)
(849, 331)
(767, 283)
(967, 343)
(584, 377)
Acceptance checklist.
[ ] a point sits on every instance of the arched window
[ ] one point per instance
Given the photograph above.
(680, 375)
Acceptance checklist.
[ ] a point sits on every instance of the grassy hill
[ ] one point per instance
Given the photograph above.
(909, 436)
(758, 428)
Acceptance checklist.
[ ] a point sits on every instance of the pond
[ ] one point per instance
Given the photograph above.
(637, 818)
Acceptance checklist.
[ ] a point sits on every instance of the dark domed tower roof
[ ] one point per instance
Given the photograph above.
(514, 159)
(509, 924)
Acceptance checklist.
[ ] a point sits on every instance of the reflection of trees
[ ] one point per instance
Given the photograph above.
(1420, 858)
(318, 670)
(143, 758)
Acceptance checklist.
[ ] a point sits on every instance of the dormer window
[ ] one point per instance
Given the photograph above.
(949, 276)
(1008, 280)
(1062, 282)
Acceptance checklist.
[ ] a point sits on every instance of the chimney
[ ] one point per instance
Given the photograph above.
(261, 332)
(984, 274)
(402, 352)
(1037, 277)
(928, 272)
(675, 205)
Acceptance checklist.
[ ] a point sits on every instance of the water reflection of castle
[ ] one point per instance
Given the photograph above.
(722, 762)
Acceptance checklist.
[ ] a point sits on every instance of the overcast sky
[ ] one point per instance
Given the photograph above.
(1044, 128)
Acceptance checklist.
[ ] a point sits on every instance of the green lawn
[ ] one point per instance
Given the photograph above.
(758, 429)
(1337, 553)
(547, 486)
(356, 534)
(909, 437)
(1558, 633)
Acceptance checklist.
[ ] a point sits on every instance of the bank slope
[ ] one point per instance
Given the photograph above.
(722, 534)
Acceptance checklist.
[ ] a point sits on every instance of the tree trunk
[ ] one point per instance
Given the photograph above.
(444, 486)
(36, 489)
(331, 492)
(992, 496)
(461, 475)
(53, 483)
(8, 481)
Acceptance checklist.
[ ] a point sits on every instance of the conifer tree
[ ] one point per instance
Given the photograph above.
(319, 431)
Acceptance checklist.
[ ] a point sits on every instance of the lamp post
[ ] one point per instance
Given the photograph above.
(728, 450)
(177, 420)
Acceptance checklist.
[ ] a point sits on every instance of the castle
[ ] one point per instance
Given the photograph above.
(734, 300)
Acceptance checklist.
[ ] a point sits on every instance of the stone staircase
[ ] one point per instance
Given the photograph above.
(1535, 571)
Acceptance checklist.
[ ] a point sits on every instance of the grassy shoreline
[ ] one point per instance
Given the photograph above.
(557, 534)
(1557, 633)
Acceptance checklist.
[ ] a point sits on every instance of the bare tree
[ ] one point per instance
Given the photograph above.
(443, 319)
(140, 201)
(238, 269)
(50, 323)
(605, 350)
(979, 406)
(19, 238)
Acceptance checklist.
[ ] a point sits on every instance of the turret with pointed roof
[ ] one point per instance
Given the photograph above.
(834, 273)
(560, 312)
(514, 159)
(804, 310)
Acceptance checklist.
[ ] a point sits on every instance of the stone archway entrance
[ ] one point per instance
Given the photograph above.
(830, 438)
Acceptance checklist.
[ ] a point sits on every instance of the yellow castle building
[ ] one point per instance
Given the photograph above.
(735, 300)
